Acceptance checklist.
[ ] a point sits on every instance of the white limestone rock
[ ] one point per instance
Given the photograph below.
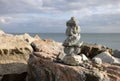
(107, 57)
(84, 58)
(97, 60)
(72, 60)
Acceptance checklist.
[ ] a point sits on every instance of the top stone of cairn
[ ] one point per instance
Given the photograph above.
(72, 32)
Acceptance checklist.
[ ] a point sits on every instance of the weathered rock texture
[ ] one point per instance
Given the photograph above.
(43, 66)
(14, 54)
(116, 53)
(91, 50)
(107, 57)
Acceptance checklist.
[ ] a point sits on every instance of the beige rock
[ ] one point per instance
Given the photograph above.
(37, 37)
(42, 68)
(47, 48)
(73, 60)
(2, 32)
(61, 56)
(26, 37)
(14, 54)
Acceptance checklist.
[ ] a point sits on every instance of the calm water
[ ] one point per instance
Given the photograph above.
(111, 40)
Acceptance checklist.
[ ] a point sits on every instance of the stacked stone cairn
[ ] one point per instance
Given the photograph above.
(72, 45)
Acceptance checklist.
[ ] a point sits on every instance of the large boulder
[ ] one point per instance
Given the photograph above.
(116, 53)
(40, 69)
(107, 57)
(113, 71)
(91, 50)
(14, 53)
(47, 48)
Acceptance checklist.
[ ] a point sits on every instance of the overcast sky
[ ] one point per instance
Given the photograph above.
(95, 16)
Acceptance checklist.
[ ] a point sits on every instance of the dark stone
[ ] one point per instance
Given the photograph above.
(15, 77)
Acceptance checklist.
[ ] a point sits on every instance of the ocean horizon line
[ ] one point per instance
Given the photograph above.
(53, 33)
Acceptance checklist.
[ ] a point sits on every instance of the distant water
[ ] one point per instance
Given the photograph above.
(111, 40)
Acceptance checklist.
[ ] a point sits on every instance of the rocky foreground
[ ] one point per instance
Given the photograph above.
(26, 58)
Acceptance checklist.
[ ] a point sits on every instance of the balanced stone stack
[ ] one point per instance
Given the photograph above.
(72, 44)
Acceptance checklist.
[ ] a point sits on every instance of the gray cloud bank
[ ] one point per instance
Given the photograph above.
(95, 16)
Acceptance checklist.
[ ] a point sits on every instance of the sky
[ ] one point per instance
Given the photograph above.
(50, 16)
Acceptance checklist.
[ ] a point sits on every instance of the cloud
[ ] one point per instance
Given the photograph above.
(50, 16)
(5, 20)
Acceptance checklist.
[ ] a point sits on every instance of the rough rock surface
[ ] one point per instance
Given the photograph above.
(116, 53)
(91, 50)
(107, 57)
(42, 66)
(73, 60)
(14, 53)
(46, 70)
(47, 48)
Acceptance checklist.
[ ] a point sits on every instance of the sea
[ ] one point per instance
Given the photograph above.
(111, 40)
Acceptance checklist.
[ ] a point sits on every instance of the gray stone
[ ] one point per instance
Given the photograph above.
(72, 40)
(72, 50)
(1, 78)
(97, 60)
(73, 60)
(116, 53)
(72, 30)
(72, 22)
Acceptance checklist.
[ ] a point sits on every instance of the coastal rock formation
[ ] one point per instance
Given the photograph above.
(43, 66)
(74, 61)
(46, 70)
(14, 54)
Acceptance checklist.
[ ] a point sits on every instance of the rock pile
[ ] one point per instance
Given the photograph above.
(72, 44)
